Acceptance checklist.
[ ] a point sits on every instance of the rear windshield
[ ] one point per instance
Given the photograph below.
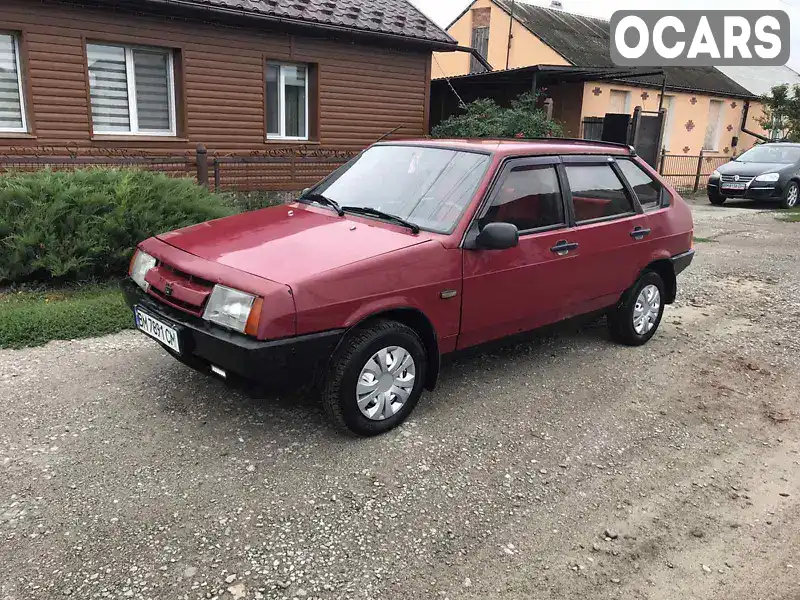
(771, 154)
(429, 187)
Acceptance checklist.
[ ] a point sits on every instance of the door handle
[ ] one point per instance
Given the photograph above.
(563, 247)
(639, 233)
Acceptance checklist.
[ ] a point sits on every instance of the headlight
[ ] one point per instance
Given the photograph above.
(715, 175)
(233, 309)
(768, 177)
(141, 263)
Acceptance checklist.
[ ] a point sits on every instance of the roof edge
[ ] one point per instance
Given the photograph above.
(461, 14)
(529, 30)
(299, 23)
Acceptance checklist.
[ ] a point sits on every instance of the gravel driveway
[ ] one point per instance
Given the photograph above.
(568, 467)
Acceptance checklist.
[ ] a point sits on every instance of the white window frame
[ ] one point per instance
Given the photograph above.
(15, 39)
(627, 107)
(718, 126)
(670, 110)
(282, 102)
(133, 110)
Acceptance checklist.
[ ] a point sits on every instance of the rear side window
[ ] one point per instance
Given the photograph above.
(648, 190)
(529, 197)
(597, 192)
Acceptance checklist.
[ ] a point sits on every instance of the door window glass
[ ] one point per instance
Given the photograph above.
(647, 189)
(597, 192)
(528, 197)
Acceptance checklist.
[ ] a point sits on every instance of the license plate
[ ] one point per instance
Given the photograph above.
(162, 332)
(734, 186)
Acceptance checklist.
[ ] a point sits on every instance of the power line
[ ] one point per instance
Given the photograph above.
(461, 103)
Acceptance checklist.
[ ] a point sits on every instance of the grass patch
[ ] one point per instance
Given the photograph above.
(790, 216)
(704, 240)
(32, 317)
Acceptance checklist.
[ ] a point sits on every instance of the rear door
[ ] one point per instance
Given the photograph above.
(521, 288)
(610, 228)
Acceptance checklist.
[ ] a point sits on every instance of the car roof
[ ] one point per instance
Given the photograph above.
(520, 147)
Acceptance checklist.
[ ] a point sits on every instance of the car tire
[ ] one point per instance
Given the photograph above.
(625, 321)
(791, 195)
(348, 372)
(716, 199)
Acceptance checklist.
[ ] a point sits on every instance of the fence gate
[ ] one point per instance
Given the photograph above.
(616, 128)
(646, 133)
(593, 128)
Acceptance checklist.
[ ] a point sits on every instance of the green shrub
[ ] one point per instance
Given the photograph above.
(485, 119)
(32, 318)
(76, 225)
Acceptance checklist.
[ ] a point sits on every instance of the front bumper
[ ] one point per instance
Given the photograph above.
(757, 191)
(287, 363)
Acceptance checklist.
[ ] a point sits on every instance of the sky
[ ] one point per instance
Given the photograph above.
(444, 11)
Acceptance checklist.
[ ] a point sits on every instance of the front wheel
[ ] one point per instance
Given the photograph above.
(790, 195)
(375, 378)
(635, 320)
(716, 199)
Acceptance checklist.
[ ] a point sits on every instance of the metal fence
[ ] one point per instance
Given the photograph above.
(282, 171)
(286, 171)
(689, 174)
(271, 173)
(174, 166)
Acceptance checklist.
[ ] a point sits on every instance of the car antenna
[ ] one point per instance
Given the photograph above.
(387, 134)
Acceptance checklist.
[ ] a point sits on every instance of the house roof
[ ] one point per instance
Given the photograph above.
(761, 80)
(585, 41)
(398, 18)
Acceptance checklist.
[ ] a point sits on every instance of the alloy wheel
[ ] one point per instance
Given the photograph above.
(792, 195)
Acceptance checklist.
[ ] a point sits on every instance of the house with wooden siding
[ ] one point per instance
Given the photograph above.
(704, 107)
(241, 77)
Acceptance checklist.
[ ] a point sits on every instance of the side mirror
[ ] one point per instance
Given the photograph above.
(498, 236)
(304, 192)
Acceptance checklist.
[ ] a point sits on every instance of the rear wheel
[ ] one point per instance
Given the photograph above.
(716, 199)
(375, 379)
(790, 195)
(636, 319)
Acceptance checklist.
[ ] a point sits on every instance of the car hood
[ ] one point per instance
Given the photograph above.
(289, 243)
(750, 168)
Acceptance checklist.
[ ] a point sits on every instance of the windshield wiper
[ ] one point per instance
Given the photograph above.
(320, 199)
(374, 212)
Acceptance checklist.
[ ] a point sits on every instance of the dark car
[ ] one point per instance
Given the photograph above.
(766, 172)
(412, 251)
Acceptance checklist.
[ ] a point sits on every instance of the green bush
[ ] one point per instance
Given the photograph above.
(485, 119)
(77, 225)
(32, 318)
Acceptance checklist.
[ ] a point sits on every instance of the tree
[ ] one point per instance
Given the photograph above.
(485, 119)
(782, 112)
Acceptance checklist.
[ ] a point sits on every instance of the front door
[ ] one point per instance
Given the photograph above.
(521, 288)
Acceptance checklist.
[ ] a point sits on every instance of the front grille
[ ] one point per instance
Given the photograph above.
(188, 293)
(742, 178)
(197, 311)
(188, 277)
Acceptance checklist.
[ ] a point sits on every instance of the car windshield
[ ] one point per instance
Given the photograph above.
(771, 154)
(429, 187)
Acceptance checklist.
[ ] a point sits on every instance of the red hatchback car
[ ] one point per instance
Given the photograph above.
(411, 251)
